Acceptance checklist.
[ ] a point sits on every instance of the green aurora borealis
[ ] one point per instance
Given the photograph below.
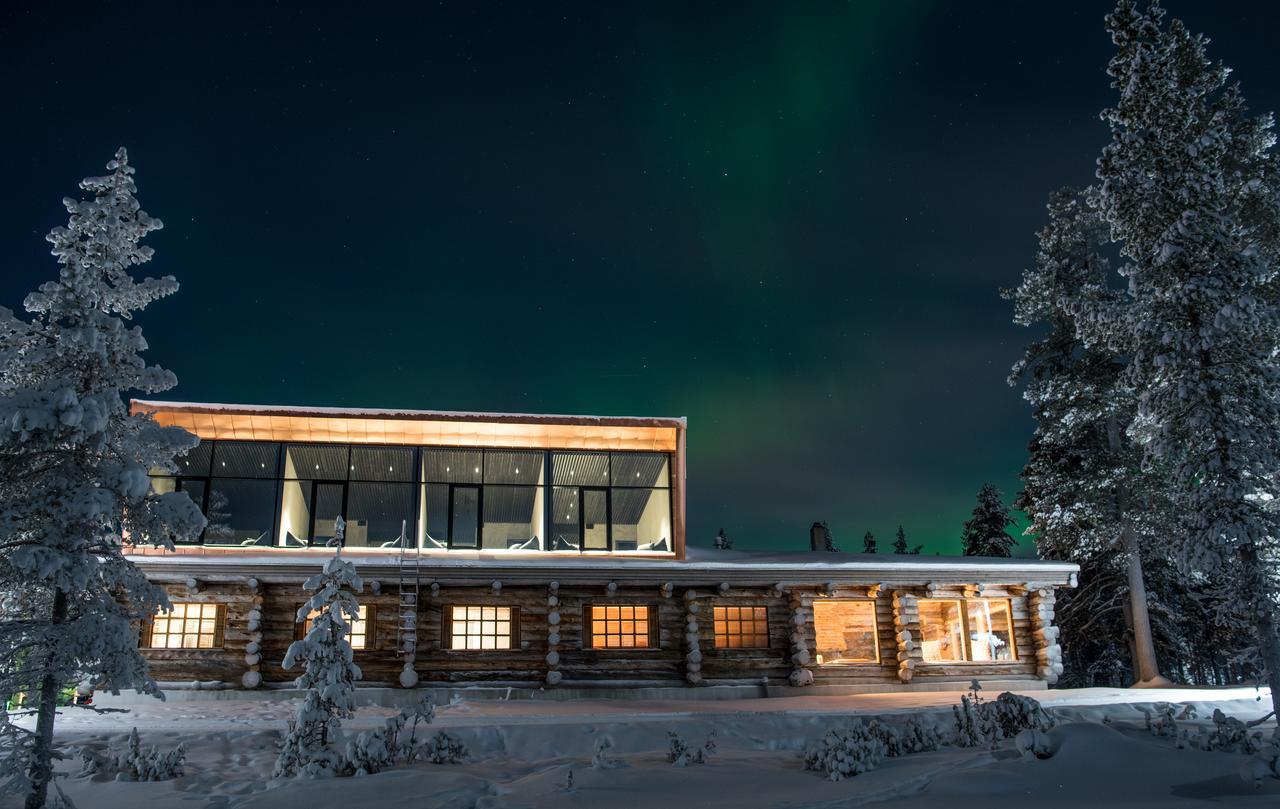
(788, 222)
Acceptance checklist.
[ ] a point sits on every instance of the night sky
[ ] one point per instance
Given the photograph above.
(788, 224)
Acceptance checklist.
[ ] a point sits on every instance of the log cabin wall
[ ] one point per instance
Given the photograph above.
(526, 663)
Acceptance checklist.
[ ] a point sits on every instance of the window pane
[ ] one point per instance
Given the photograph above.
(183, 627)
(595, 519)
(564, 533)
(240, 512)
(641, 469)
(245, 459)
(516, 466)
(513, 517)
(433, 516)
(464, 519)
(481, 628)
(375, 512)
(382, 463)
(196, 462)
(990, 629)
(942, 631)
(845, 631)
(580, 468)
(615, 627)
(641, 519)
(318, 462)
(328, 507)
(163, 484)
(451, 465)
(295, 513)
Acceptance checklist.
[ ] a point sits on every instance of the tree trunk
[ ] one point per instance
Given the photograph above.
(40, 770)
(1268, 640)
(1145, 666)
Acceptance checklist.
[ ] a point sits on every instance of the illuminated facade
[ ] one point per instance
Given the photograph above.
(547, 551)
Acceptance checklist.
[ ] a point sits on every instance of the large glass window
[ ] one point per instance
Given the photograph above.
(845, 631)
(189, 625)
(240, 512)
(290, 496)
(481, 627)
(377, 512)
(622, 626)
(968, 630)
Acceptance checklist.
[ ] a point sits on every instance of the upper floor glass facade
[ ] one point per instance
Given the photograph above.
(289, 495)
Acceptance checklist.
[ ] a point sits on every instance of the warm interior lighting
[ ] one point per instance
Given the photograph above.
(741, 627)
(975, 630)
(480, 628)
(845, 631)
(624, 626)
(358, 632)
(188, 625)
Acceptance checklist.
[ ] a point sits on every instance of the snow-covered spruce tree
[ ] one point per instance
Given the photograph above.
(984, 533)
(1186, 188)
(329, 674)
(868, 543)
(1090, 498)
(722, 541)
(73, 469)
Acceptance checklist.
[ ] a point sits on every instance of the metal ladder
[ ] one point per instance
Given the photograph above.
(410, 577)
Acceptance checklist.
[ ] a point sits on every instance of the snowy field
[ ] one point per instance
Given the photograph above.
(522, 753)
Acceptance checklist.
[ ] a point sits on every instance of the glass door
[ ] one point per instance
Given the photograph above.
(464, 516)
(594, 514)
(327, 504)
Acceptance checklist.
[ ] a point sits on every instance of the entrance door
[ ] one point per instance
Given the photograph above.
(594, 513)
(464, 516)
(326, 506)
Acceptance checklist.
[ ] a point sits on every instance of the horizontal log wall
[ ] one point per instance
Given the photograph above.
(578, 663)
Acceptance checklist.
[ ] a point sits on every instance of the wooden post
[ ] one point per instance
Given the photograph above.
(1048, 652)
(800, 656)
(693, 654)
(906, 627)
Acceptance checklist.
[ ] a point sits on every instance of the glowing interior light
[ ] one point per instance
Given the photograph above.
(224, 463)
(389, 469)
(317, 466)
(477, 470)
(517, 471)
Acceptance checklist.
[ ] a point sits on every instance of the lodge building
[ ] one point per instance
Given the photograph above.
(548, 552)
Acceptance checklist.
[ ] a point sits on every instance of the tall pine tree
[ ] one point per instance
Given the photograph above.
(1087, 493)
(1186, 187)
(900, 544)
(868, 543)
(984, 534)
(73, 469)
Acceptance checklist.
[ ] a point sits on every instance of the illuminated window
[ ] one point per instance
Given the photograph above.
(358, 637)
(188, 626)
(625, 626)
(978, 630)
(741, 627)
(845, 631)
(481, 627)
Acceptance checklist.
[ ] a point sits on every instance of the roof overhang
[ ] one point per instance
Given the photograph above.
(213, 421)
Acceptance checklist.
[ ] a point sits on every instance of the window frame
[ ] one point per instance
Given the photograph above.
(875, 632)
(446, 629)
(219, 630)
(966, 633)
(715, 636)
(300, 628)
(588, 633)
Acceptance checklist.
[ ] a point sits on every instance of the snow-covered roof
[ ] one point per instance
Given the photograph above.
(702, 565)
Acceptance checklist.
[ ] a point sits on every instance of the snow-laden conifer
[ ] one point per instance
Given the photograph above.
(74, 486)
(1186, 188)
(984, 533)
(329, 672)
(868, 543)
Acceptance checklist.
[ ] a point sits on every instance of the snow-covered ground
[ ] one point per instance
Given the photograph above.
(522, 752)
